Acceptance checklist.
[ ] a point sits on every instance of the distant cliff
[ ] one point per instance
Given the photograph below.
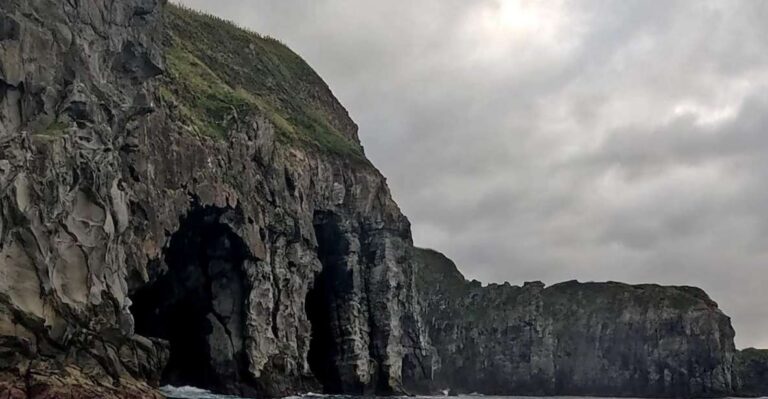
(183, 201)
(607, 339)
(752, 372)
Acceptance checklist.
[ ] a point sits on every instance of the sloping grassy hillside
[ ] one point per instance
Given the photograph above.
(218, 72)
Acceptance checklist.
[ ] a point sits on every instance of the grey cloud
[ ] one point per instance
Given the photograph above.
(630, 144)
(682, 141)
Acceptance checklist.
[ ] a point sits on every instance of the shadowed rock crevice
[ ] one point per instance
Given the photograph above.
(325, 306)
(197, 304)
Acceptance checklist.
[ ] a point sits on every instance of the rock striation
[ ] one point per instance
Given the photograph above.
(604, 339)
(183, 201)
(167, 214)
(73, 85)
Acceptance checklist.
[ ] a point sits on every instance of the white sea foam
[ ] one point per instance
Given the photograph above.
(188, 392)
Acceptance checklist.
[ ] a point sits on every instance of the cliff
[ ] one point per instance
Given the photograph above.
(752, 372)
(186, 201)
(604, 339)
(183, 201)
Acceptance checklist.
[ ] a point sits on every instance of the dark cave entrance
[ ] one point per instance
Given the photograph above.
(325, 303)
(197, 304)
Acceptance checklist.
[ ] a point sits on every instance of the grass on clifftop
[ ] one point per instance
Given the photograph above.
(219, 72)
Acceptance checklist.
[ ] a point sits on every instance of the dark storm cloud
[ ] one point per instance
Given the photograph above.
(598, 140)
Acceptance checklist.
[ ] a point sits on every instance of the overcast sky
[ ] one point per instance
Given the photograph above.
(590, 140)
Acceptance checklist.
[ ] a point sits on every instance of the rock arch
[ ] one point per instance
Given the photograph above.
(197, 303)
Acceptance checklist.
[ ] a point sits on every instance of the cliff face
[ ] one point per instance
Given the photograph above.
(185, 201)
(576, 339)
(752, 372)
(73, 88)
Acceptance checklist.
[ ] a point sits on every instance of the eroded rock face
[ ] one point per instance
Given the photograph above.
(607, 339)
(109, 205)
(67, 98)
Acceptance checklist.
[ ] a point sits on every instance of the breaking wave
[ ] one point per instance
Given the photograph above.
(187, 392)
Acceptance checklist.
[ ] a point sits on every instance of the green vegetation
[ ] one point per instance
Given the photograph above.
(54, 129)
(598, 298)
(207, 103)
(681, 301)
(219, 72)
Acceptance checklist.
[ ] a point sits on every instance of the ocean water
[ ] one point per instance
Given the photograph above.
(197, 393)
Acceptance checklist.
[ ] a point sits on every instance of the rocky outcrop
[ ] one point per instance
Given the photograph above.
(163, 217)
(752, 372)
(73, 82)
(607, 339)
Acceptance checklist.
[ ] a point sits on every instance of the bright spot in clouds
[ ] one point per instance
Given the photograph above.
(506, 27)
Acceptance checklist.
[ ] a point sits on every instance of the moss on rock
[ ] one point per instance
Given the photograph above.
(218, 73)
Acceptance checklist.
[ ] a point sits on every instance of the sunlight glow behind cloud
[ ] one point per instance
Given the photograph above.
(515, 28)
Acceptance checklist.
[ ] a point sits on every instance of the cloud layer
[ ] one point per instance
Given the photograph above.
(590, 140)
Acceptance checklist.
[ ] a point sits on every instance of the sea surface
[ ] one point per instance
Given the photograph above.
(197, 393)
